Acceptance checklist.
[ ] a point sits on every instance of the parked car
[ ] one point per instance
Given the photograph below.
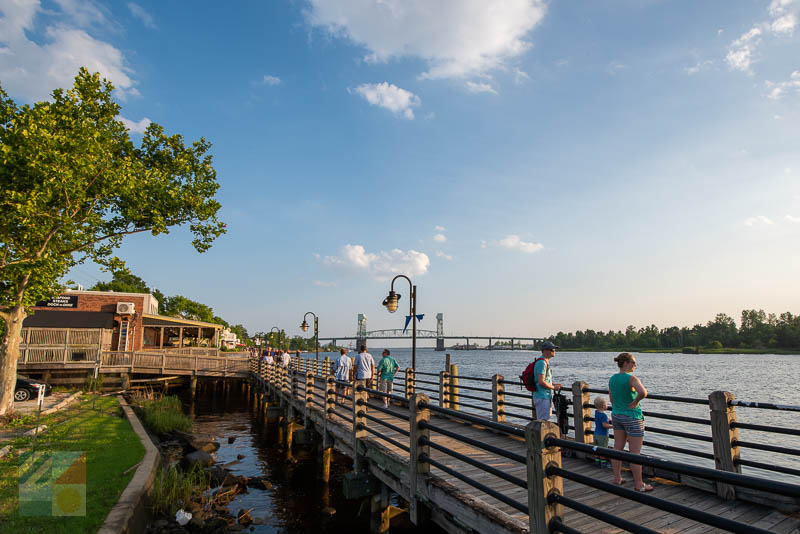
(27, 389)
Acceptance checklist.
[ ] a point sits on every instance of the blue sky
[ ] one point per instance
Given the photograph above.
(534, 166)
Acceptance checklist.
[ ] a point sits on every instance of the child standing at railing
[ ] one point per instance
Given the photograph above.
(601, 427)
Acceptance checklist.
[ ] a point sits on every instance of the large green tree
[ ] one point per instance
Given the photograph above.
(73, 185)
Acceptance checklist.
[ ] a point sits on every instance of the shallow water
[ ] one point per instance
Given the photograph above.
(296, 500)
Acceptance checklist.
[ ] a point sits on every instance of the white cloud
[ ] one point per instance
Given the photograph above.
(83, 12)
(698, 67)
(321, 283)
(135, 127)
(520, 75)
(380, 265)
(142, 14)
(32, 69)
(513, 242)
(758, 220)
(440, 238)
(784, 24)
(480, 87)
(780, 89)
(271, 80)
(793, 219)
(440, 254)
(456, 38)
(740, 52)
(389, 96)
(439, 228)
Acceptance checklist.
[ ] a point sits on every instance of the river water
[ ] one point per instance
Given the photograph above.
(750, 377)
(297, 501)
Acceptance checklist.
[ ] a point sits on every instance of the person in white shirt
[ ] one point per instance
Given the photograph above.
(342, 371)
(285, 359)
(364, 365)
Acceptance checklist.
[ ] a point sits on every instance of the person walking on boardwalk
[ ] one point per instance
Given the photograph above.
(543, 394)
(626, 393)
(285, 358)
(364, 365)
(386, 370)
(342, 370)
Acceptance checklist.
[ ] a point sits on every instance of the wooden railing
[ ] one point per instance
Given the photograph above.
(309, 383)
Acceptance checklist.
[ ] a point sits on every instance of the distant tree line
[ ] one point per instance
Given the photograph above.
(757, 330)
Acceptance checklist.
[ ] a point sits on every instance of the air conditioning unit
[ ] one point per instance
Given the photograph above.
(125, 308)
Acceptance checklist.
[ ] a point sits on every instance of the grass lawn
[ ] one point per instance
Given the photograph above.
(110, 446)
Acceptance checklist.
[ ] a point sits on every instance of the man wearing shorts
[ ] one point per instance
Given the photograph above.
(543, 396)
(386, 370)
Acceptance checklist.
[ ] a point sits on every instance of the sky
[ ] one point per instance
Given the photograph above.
(533, 166)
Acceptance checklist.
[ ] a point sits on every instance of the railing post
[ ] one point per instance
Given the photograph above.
(359, 423)
(316, 367)
(540, 486)
(453, 396)
(498, 399)
(581, 414)
(326, 367)
(309, 397)
(418, 412)
(327, 442)
(724, 435)
(163, 361)
(409, 383)
(444, 389)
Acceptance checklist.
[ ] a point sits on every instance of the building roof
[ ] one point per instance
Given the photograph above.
(69, 319)
(163, 320)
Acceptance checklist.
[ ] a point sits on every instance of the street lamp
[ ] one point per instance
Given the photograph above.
(304, 328)
(276, 329)
(391, 302)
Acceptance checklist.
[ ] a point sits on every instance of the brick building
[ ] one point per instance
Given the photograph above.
(81, 323)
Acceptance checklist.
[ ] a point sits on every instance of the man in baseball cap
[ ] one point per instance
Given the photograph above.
(543, 396)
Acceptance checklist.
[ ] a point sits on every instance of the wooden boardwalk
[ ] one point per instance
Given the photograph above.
(460, 507)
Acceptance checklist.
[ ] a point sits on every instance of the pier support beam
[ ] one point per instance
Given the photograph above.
(126, 381)
(381, 512)
(193, 386)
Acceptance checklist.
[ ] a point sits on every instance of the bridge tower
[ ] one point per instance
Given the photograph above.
(361, 331)
(440, 332)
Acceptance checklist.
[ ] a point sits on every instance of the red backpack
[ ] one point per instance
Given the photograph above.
(527, 377)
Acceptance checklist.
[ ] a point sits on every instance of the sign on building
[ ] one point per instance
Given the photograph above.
(61, 301)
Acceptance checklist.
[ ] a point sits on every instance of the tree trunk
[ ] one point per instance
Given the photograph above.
(9, 352)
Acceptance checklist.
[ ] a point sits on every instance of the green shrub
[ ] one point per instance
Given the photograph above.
(164, 414)
(714, 345)
(174, 488)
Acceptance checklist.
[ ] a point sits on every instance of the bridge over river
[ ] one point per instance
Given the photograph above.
(362, 336)
(449, 452)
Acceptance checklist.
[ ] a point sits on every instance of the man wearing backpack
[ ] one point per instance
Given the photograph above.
(543, 378)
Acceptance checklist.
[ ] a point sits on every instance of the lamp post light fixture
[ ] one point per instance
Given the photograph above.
(391, 302)
(304, 328)
(278, 330)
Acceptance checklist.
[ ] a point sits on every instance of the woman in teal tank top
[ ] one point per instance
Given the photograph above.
(626, 392)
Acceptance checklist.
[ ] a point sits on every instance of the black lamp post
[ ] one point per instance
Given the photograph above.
(304, 328)
(278, 330)
(391, 304)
